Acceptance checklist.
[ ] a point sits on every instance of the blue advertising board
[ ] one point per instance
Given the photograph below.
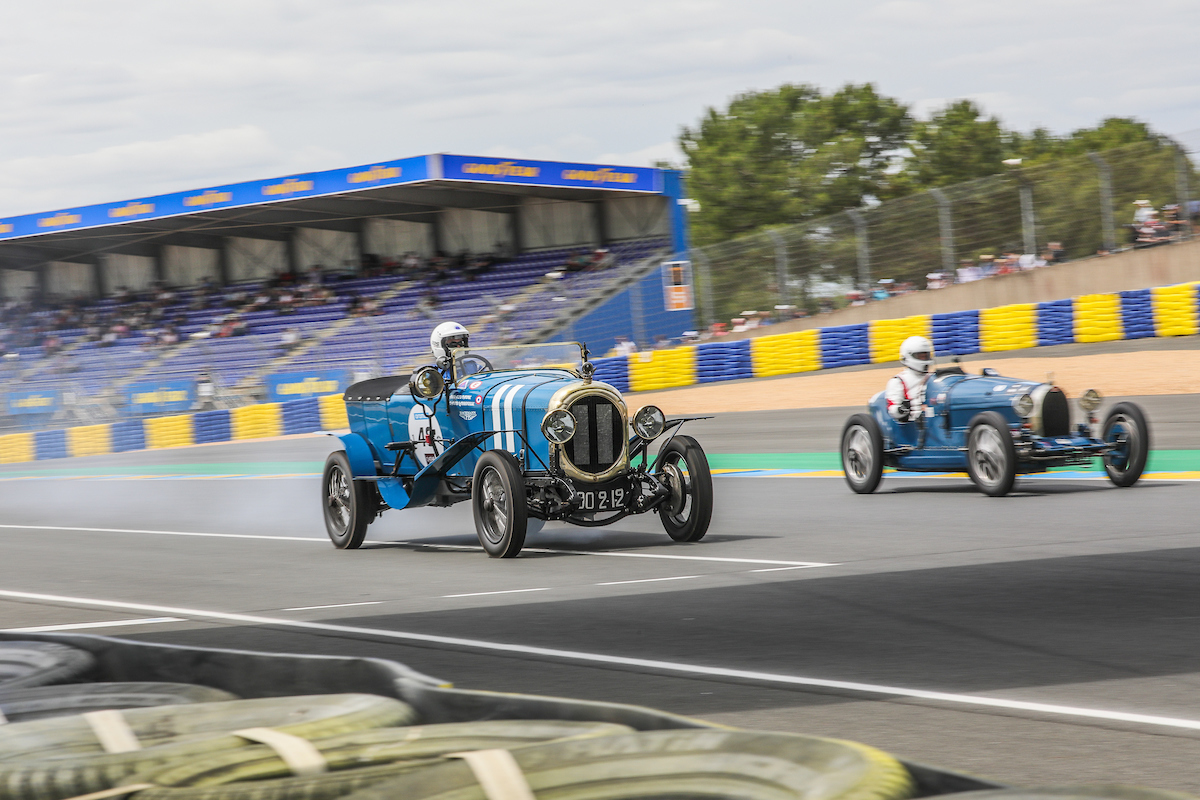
(160, 397)
(45, 401)
(285, 386)
(312, 184)
(551, 173)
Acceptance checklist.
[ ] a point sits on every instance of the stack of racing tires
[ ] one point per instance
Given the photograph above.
(66, 734)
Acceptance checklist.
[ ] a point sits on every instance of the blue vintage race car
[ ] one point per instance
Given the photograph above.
(994, 428)
(526, 435)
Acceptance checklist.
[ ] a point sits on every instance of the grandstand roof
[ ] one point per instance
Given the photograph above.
(411, 188)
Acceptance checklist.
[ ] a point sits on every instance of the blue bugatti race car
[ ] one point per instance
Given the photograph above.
(522, 432)
(994, 428)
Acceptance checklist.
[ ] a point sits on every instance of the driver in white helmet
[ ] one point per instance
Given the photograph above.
(906, 392)
(446, 337)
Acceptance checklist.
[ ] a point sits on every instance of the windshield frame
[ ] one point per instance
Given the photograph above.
(458, 352)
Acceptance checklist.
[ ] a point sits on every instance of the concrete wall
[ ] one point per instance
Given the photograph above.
(1132, 269)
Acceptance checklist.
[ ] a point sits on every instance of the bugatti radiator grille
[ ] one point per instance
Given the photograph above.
(599, 439)
(1056, 414)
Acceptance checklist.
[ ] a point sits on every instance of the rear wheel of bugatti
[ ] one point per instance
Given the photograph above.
(683, 468)
(1126, 430)
(862, 453)
(498, 504)
(991, 454)
(349, 505)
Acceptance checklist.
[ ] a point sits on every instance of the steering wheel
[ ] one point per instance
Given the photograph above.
(472, 364)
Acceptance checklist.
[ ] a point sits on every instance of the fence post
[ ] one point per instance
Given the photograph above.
(1028, 221)
(1182, 188)
(704, 271)
(781, 267)
(864, 248)
(945, 230)
(1106, 202)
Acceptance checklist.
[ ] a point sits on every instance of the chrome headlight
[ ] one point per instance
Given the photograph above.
(558, 426)
(427, 383)
(1023, 405)
(1089, 401)
(649, 422)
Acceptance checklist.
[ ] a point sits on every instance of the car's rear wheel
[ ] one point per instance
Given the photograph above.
(349, 505)
(991, 454)
(862, 453)
(499, 505)
(683, 468)
(1125, 428)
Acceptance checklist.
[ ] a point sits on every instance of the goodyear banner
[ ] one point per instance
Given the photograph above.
(312, 184)
(550, 173)
(160, 397)
(34, 402)
(286, 386)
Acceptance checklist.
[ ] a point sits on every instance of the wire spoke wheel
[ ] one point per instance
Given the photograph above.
(862, 453)
(682, 468)
(349, 506)
(991, 454)
(1128, 435)
(499, 505)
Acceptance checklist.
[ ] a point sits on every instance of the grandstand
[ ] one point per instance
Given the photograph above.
(90, 292)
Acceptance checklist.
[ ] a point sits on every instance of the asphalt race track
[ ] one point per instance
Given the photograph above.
(1050, 636)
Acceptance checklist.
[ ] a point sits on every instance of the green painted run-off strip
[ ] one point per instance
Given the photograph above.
(1160, 461)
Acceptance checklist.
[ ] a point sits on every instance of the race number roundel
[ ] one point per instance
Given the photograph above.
(425, 433)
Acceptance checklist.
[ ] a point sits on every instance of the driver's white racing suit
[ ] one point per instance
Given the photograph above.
(905, 394)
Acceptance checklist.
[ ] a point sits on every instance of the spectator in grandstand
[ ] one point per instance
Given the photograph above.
(624, 346)
(206, 392)
(354, 307)
(579, 262)
(285, 301)
(428, 303)
(290, 339)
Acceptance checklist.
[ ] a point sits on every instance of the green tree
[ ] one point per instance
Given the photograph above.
(790, 154)
(957, 144)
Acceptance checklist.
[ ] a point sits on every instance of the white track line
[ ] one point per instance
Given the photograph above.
(166, 533)
(505, 591)
(620, 554)
(650, 580)
(334, 605)
(643, 663)
(78, 626)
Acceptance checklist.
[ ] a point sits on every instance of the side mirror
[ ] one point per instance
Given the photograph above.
(426, 383)
(988, 372)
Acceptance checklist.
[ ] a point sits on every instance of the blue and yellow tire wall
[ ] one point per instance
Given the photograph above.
(1162, 311)
(224, 425)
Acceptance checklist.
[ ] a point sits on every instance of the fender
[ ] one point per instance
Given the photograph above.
(358, 452)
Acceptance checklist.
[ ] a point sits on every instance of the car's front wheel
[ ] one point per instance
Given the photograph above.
(349, 506)
(499, 505)
(683, 468)
(862, 453)
(991, 454)
(1126, 430)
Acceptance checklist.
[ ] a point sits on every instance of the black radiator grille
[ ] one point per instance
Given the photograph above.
(1056, 414)
(599, 435)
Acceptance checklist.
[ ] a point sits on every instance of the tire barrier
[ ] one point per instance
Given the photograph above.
(713, 764)
(780, 354)
(845, 346)
(26, 664)
(613, 371)
(1162, 311)
(1056, 323)
(63, 757)
(23, 705)
(956, 333)
(888, 334)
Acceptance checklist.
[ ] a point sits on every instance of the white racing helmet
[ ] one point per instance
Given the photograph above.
(446, 336)
(917, 354)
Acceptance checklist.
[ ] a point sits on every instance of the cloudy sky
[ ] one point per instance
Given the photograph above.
(122, 98)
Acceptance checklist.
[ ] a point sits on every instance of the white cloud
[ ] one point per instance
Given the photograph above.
(130, 97)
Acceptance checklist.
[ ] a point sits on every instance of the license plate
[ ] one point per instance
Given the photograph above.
(612, 496)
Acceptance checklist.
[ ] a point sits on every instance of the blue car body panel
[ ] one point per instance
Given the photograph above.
(953, 401)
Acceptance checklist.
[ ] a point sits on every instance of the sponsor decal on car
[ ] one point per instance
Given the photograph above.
(468, 415)
(478, 399)
(475, 384)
